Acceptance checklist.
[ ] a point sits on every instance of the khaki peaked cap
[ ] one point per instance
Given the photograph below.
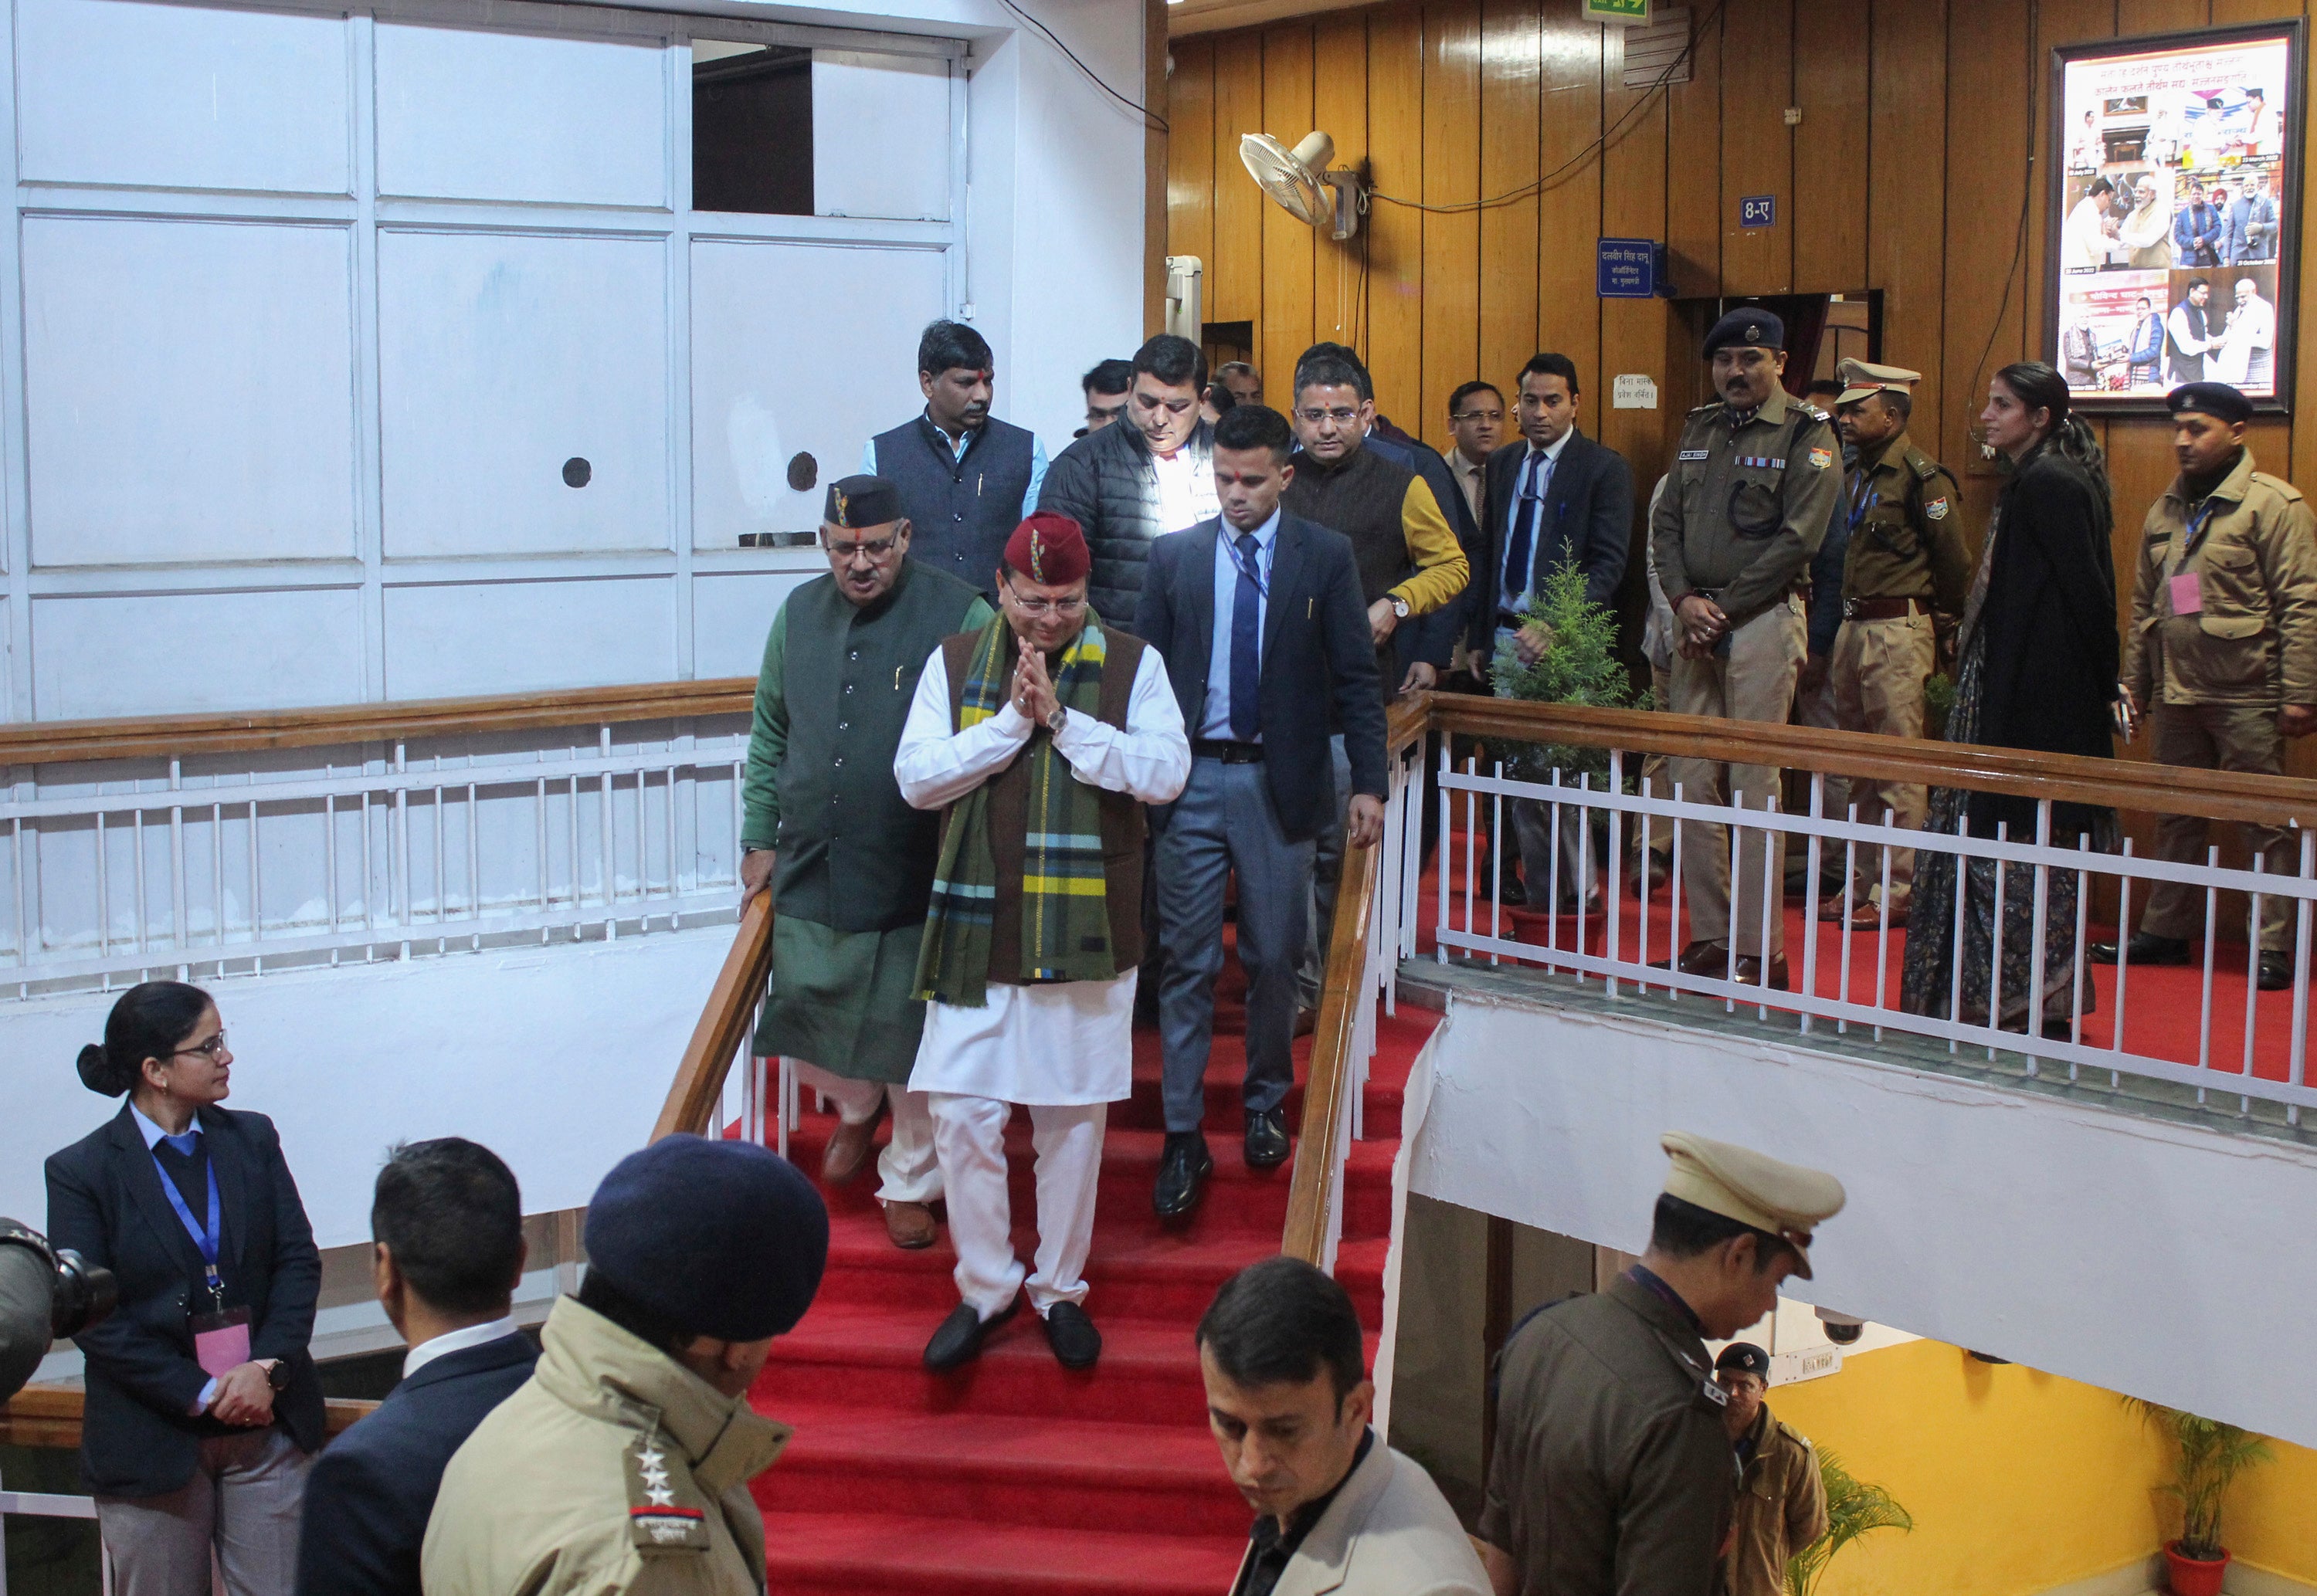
(1785, 1200)
(1860, 379)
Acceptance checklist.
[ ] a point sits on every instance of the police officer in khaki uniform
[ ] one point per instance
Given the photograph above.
(1906, 560)
(1755, 478)
(621, 1466)
(2221, 655)
(1613, 1472)
(1781, 1498)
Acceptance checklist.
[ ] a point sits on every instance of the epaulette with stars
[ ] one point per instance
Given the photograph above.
(659, 1518)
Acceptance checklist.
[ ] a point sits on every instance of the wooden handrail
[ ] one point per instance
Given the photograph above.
(50, 1416)
(2121, 783)
(53, 742)
(723, 1023)
(1311, 1187)
(1327, 1083)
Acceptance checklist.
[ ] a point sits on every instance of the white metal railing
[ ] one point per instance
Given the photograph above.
(1609, 938)
(40, 1504)
(235, 865)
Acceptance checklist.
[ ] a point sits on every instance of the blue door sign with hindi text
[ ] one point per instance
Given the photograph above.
(1630, 269)
(1758, 211)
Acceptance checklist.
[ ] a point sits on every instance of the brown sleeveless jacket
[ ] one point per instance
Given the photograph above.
(1122, 827)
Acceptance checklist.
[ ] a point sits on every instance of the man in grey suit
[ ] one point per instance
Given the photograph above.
(1260, 618)
(1289, 1402)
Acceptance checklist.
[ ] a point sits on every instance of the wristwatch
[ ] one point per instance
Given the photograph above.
(1400, 606)
(277, 1373)
(1057, 720)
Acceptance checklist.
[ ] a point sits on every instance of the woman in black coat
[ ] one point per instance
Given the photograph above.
(203, 1406)
(2037, 669)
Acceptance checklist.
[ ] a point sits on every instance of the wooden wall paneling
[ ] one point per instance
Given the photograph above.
(2160, 16)
(1633, 332)
(1693, 165)
(1288, 248)
(2254, 11)
(1452, 239)
(1986, 187)
(1568, 219)
(1906, 223)
(1757, 67)
(1156, 195)
(1832, 59)
(1235, 276)
(1395, 348)
(1511, 66)
(2057, 23)
(1339, 104)
(1191, 152)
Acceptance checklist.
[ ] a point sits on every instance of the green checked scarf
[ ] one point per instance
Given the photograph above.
(1065, 899)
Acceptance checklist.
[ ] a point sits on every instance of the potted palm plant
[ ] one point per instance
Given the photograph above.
(2210, 1457)
(1853, 1507)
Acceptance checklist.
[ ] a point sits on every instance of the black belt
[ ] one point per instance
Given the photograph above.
(1230, 752)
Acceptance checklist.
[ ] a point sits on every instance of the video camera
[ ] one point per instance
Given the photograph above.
(45, 1294)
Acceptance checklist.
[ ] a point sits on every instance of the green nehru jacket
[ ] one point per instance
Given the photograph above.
(855, 862)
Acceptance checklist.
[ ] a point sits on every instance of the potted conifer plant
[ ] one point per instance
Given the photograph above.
(1853, 1507)
(1576, 662)
(2210, 1456)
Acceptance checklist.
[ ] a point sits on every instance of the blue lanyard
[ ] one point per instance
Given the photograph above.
(2196, 525)
(1253, 572)
(1859, 507)
(204, 1240)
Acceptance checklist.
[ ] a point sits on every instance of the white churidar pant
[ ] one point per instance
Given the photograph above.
(970, 1134)
(908, 1169)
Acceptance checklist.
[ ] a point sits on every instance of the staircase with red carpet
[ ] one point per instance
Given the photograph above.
(1014, 1473)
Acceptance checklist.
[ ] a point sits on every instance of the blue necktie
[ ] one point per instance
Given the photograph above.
(1247, 645)
(1517, 553)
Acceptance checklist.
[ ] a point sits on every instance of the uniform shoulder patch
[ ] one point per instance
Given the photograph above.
(1937, 509)
(662, 1515)
(1821, 457)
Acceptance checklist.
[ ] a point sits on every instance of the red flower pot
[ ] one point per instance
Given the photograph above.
(2192, 1576)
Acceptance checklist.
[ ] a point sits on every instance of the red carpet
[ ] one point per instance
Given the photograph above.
(2163, 1005)
(1014, 1473)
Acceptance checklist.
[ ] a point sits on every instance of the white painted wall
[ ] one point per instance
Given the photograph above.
(557, 1059)
(2150, 1258)
(311, 308)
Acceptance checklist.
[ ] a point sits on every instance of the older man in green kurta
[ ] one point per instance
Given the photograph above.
(850, 863)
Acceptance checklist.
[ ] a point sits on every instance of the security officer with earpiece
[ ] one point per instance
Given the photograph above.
(1756, 476)
(1907, 563)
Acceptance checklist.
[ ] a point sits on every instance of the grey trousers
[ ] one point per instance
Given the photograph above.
(244, 1500)
(1222, 823)
(1327, 877)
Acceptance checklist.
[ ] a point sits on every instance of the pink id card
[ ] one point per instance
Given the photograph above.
(221, 1341)
(2188, 597)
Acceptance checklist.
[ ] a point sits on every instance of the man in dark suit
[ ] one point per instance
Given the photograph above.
(1262, 622)
(446, 1228)
(1554, 498)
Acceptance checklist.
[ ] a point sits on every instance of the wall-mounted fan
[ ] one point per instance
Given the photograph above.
(1300, 180)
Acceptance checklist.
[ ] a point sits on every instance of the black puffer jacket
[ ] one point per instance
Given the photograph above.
(1107, 483)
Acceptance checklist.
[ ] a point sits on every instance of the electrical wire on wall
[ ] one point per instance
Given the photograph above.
(1650, 97)
(2020, 240)
(1150, 119)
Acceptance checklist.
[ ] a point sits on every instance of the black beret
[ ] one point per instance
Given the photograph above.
(855, 502)
(722, 1238)
(1746, 1357)
(2215, 399)
(1749, 326)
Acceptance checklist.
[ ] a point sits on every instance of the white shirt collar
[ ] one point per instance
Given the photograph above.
(1551, 451)
(1265, 535)
(455, 1340)
(152, 1133)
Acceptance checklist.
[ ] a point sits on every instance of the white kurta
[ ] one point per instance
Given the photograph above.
(2243, 354)
(1057, 1042)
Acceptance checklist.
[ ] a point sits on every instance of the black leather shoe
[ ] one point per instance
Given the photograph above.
(1183, 1171)
(2276, 972)
(958, 1339)
(1075, 1342)
(1266, 1139)
(2146, 948)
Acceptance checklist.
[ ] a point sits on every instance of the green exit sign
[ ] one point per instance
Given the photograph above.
(1629, 13)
